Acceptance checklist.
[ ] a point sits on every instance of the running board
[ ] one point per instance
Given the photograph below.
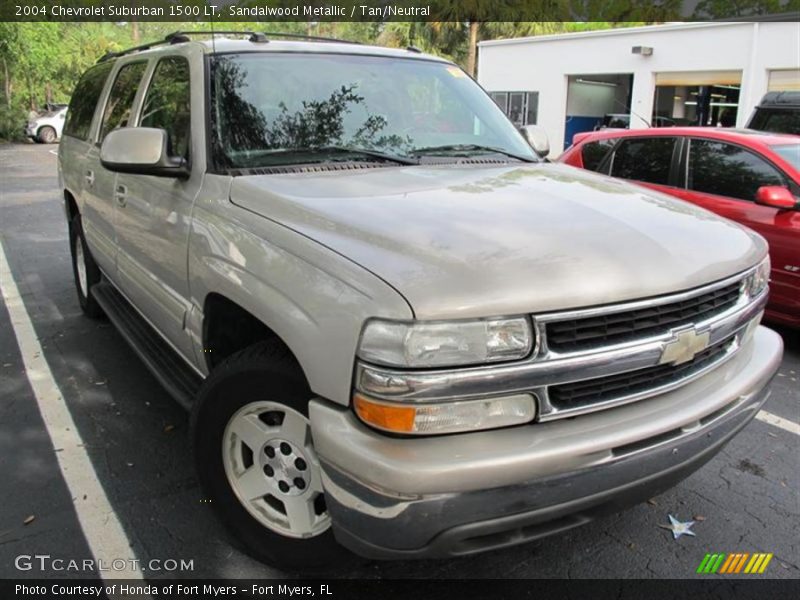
(168, 367)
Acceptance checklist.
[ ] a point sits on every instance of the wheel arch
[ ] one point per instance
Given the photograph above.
(228, 328)
(311, 298)
(70, 205)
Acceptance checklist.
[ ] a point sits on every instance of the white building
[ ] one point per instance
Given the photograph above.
(682, 73)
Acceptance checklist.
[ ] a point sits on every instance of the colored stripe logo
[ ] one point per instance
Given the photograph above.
(735, 563)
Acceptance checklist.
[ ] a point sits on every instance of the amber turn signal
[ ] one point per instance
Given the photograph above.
(385, 416)
(446, 417)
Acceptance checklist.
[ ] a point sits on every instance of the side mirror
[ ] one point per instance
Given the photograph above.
(537, 138)
(776, 197)
(141, 150)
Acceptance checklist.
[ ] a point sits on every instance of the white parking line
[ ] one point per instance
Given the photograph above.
(101, 528)
(777, 421)
(53, 152)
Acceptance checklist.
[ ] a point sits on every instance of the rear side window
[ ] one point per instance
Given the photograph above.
(120, 98)
(167, 104)
(728, 170)
(84, 100)
(593, 153)
(777, 121)
(644, 159)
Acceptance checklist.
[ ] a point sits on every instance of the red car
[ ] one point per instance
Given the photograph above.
(750, 177)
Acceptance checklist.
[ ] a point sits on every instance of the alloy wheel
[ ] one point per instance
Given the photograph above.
(272, 468)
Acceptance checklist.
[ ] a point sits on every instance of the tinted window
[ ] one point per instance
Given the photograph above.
(120, 98)
(84, 100)
(644, 159)
(777, 121)
(593, 153)
(728, 170)
(167, 104)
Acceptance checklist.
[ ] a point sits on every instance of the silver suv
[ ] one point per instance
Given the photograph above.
(398, 329)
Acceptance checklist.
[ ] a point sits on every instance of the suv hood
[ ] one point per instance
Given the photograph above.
(477, 241)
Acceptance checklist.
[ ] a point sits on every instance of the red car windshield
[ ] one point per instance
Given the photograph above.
(788, 152)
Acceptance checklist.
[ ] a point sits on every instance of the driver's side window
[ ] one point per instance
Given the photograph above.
(167, 104)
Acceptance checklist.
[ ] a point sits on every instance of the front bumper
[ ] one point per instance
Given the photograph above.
(453, 495)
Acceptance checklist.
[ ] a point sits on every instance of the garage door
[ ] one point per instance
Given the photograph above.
(699, 78)
(784, 80)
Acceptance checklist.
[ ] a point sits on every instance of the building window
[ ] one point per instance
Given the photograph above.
(521, 107)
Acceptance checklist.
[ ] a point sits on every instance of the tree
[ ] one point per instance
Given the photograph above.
(720, 9)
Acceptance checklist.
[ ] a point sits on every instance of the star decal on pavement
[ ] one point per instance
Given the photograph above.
(678, 528)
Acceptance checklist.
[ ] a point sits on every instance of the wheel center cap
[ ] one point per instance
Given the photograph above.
(285, 466)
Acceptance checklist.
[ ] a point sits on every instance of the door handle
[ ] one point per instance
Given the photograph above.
(120, 195)
(89, 178)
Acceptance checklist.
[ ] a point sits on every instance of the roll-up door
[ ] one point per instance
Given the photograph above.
(690, 78)
(784, 80)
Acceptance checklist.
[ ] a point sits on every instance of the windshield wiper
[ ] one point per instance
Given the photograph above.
(334, 150)
(469, 148)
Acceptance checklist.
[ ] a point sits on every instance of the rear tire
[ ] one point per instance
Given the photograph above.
(256, 461)
(47, 135)
(84, 269)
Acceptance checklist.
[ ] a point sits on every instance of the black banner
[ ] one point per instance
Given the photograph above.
(646, 11)
(734, 587)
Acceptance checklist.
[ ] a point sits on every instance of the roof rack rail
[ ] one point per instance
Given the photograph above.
(179, 37)
(110, 55)
(313, 38)
(259, 36)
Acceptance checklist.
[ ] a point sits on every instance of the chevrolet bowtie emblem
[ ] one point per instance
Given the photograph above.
(686, 345)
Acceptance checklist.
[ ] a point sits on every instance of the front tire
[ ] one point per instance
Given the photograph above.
(47, 135)
(256, 460)
(84, 269)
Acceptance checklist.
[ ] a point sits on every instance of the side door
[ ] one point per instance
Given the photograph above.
(99, 197)
(154, 213)
(78, 165)
(650, 161)
(723, 177)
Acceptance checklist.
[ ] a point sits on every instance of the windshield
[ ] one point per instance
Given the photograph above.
(277, 109)
(788, 152)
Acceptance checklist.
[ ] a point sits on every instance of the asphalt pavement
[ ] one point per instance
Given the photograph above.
(136, 439)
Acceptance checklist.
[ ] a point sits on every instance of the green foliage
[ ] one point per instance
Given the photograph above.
(12, 120)
(41, 62)
(716, 9)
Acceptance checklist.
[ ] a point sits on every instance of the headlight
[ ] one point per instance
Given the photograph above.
(446, 417)
(454, 343)
(758, 280)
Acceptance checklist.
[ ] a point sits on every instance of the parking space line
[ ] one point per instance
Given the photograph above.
(101, 528)
(785, 424)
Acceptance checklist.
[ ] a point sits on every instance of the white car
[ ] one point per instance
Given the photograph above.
(46, 128)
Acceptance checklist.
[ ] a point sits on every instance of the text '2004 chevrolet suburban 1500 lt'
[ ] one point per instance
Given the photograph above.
(398, 329)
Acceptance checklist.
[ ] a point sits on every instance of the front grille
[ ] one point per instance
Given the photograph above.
(593, 391)
(587, 333)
